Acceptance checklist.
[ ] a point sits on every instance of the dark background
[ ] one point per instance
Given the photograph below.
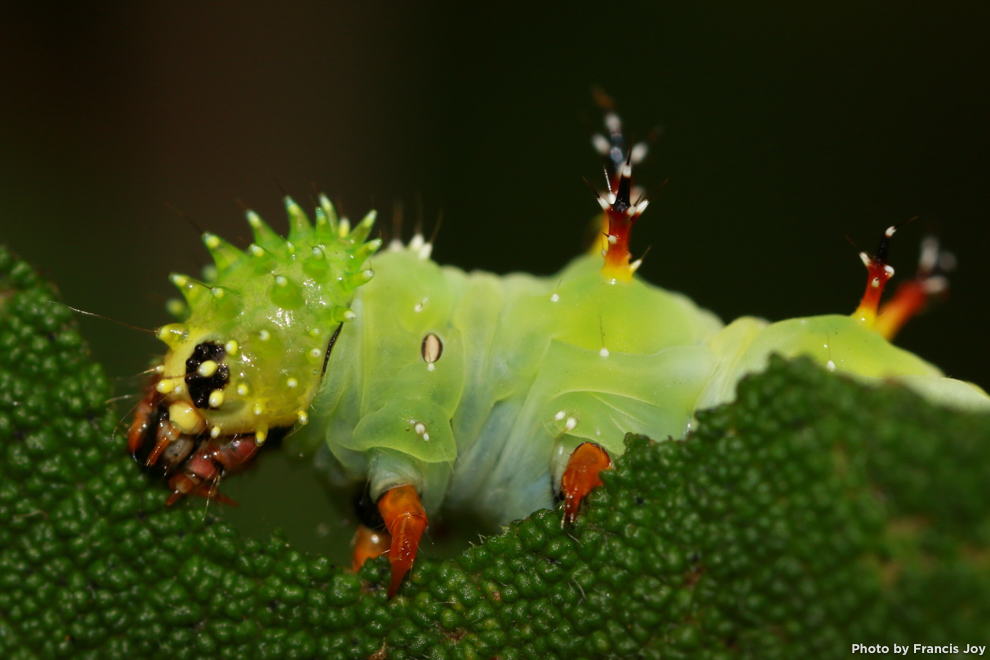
(787, 126)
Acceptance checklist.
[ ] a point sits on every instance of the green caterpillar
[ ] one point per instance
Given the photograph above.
(466, 391)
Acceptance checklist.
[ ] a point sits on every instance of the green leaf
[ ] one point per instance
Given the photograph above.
(811, 514)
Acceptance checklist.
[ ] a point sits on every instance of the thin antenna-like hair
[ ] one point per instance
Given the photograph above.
(101, 316)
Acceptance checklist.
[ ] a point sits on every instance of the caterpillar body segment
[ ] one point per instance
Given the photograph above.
(527, 364)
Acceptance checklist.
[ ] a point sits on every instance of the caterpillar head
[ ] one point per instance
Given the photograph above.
(250, 352)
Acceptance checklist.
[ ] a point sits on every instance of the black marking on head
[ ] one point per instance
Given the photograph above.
(333, 340)
(431, 348)
(200, 386)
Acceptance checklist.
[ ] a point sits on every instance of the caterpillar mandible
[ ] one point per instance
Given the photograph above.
(443, 389)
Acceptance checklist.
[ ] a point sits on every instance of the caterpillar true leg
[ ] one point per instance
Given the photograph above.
(152, 436)
(209, 461)
(582, 475)
(143, 425)
(154, 440)
(406, 521)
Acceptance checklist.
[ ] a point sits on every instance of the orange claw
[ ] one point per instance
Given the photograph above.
(581, 475)
(368, 544)
(406, 521)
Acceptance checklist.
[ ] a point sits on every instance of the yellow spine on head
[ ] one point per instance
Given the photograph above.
(299, 226)
(326, 218)
(173, 334)
(264, 235)
(363, 228)
(225, 255)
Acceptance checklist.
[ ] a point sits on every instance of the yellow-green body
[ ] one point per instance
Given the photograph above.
(521, 357)
(840, 342)
(531, 367)
(472, 387)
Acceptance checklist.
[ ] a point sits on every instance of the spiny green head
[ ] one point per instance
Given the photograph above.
(250, 352)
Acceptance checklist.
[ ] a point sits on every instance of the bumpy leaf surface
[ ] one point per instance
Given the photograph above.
(810, 515)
